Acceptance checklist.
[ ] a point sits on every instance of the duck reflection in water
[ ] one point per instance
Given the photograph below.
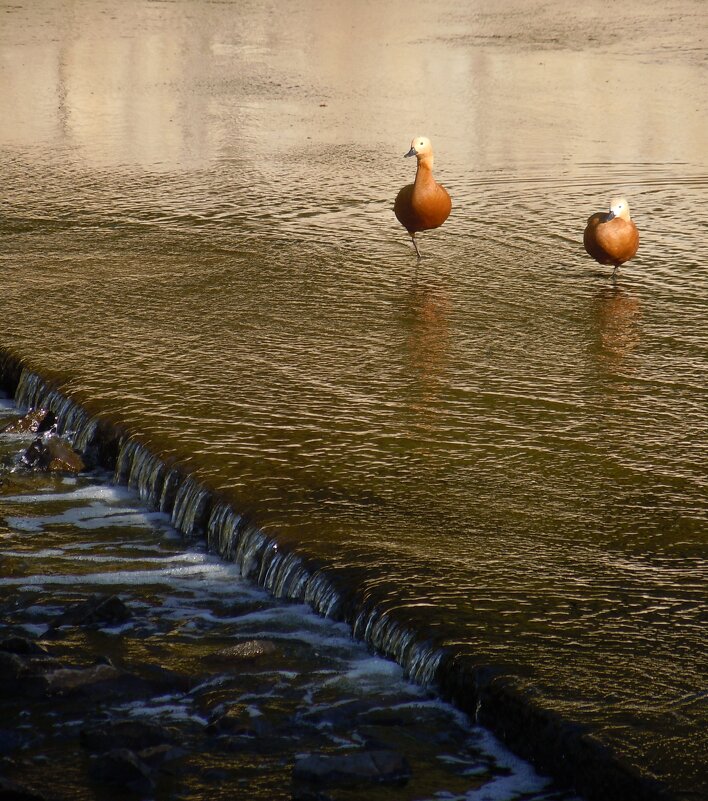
(428, 334)
(616, 320)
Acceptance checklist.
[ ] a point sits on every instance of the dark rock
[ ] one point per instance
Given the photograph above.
(53, 454)
(98, 609)
(23, 647)
(303, 793)
(34, 422)
(163, 679)
(135, 735)
(70, 680)
(235, 720)
(120, 687)
(247, 651)
(123, 768)
(12, 791)
(163, 758)
(11, 740)
(214, 775)
(24, 674)
(360, 767)
(13, 669)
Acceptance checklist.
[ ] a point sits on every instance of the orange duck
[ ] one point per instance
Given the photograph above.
(424, 204)
(611, 237)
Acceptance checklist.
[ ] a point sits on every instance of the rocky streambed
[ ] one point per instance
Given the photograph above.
(134, 665)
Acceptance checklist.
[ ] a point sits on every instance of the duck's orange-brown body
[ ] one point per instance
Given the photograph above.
(611, 241)
(424, 204)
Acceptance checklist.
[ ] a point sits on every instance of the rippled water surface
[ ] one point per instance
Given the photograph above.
(500, 443)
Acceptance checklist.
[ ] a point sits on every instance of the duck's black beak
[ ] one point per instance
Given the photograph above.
(411, 152)
(610, 216)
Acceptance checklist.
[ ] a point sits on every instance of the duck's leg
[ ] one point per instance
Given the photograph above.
(415, 244)
(614, 272)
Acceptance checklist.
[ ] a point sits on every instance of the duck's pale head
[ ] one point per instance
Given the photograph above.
(619, 208)
(420, 147)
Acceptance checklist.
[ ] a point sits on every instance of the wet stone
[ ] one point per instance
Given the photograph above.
(248, 651)
(13, 669)
(54, 455)
(23, 647)
(236, 720)
(11, 740)
(161, 679)
(97, 610)
(13, 791)
(166, 758)
(68, 680)
(121, 767)
(361, 767)
(35, 421)
(135, 735)
(310, 794)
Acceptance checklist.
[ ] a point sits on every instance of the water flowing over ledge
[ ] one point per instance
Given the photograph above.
(558, 747)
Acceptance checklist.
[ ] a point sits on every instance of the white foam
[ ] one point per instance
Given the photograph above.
(94, 516)
(57, 553)
(523, 779)
(169, 576)
(165, 706)
(94, 492)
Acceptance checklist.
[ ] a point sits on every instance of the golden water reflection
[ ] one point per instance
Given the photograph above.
(617, 315)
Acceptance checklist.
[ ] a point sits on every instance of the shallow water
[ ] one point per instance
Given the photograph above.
(500, 443)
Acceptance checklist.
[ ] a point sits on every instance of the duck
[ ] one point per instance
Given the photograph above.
(611, 237)
(424, 204)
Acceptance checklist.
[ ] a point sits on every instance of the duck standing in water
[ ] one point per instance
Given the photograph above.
(424, 204)
(611, 237)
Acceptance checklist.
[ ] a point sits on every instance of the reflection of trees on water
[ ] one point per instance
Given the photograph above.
(616, 320)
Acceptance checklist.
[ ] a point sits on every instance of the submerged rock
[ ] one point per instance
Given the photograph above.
(135, 735)
(360, 767)
(34, 422)
(68, 680)
(22, 647)
(98, 609)
(12, 740)
(12, 791)
(53, 454)
(163, 758)
(121, 767)
(234, 720)
(305, 793)
(247, 651)
(14, 671)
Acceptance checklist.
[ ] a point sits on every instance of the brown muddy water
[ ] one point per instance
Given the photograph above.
(499, 446)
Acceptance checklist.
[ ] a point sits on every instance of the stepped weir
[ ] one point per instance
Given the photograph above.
(492, 698)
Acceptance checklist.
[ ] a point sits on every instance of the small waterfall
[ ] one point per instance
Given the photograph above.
(141, 470)
(191, 507)
(420, 660)
(72, 421)
(323, 596)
